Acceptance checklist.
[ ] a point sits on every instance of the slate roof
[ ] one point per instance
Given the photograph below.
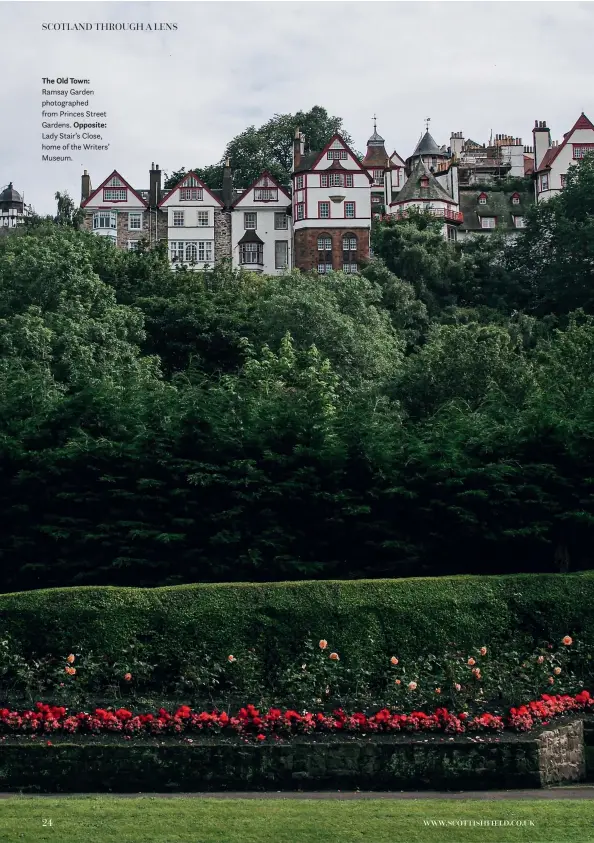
(581, 123)
(9, 194)
(307, 161)
(412, 187)
(427, 146)
(250, 237)
(499, 204)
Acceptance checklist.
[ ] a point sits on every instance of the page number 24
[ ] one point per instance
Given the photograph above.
(46, 823)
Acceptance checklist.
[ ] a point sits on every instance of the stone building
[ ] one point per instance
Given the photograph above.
(553, 158)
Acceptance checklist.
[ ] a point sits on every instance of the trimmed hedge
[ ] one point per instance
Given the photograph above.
(365, 618)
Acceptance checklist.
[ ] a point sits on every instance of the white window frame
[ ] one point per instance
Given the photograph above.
(350, 268)
(324, 206)
(334, 154)
(179, 219)
(247, 220)
(378, 176)
(205, 251)
(301, 210)
(482, 200)
(111, 216)
(251, 253)
(347, 215)
(489, 219)
(544, 182)
(520, 222)
(350, 239)
(283, 261)
(324, 268)
(191, 194)
(327, 245)
(203, 219)
(133, 245)
(281, 217)
(348, 180)
(115, 194)
(515, 200)
(191, 252)
(336, 180)
(135, 216)
(265, 194)
(581, 150)
(324, 180)
(299, 183)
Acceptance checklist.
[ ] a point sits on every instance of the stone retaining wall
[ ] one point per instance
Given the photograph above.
(555, 755)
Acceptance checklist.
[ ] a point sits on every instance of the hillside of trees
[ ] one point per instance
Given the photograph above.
(433, 415)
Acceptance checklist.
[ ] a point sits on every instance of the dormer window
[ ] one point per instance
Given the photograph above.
(516, 199)
(335, 154)
(424, 181)
(482, 200)
(265, 194)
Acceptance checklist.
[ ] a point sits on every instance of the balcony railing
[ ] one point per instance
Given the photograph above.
(445, 213)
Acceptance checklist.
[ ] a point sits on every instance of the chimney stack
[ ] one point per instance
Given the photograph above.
(298, 148)
(85, 187)
(154, 186)
(227, 184)
(542, 141)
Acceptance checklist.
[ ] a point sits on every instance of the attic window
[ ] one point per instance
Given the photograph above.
(482, 200)
(265, 194)
(336, 153)
(424, 181)
(516, 199)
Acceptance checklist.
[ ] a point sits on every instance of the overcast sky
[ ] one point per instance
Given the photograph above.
(177, 98)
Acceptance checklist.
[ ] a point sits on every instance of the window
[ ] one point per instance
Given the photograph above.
(515, 199)
(349, 243)
(323, 268)
(114, 182)
(301, 211)
(134, 222)
(281, 222)
(111, 194)
(336, 180)
(482, 200)
(378, 176)
(324, 180)
(299, 183)
(350, 268)
(281, 254)
(265, 194)
(396, 177)
(251, 253)
(348, 179)
(186, 195)
(324, 210)
(424, 181)
(582, 150)
(376, 198)
(544, 181)
(176, 251)
(133, 245)
(519, 222)
(203, 218)
(487, 222)
(452, 234)
(250, 220)
(336, 154)
(563, 180)
(205, 251)
(105, 219)
(178, 218)
(191, 253)
(324, 243)
(191, 181)
(349, 210)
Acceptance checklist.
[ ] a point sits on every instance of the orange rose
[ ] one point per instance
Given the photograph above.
(412, 686)
(335, 657)
(568, 641)
(128, 677)
(471, 661)
(557, 671)
(323, 644)
(70, 671)
(70, 658)
(398, 681)
(438, 690)
(483, 651)
(476, 671)
(393, 660)
(231, 659)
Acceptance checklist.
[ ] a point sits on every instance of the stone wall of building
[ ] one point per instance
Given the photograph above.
(222, 234)
(562, 756)
(306, 253)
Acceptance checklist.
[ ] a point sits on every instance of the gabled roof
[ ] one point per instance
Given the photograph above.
(267, 175)
(182, 183)
(412, 190)
(314, 158)
(124, 182)
(581, 123)
(400, 158)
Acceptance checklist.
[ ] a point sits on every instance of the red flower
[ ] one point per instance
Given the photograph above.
(261, 737)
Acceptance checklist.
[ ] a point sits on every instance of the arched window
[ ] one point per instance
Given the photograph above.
(324, 243)
(349, 243)
(191, 253)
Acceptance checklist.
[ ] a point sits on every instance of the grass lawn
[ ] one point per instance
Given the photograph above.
(103, 819)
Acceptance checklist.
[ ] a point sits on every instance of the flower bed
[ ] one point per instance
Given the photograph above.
(250, 722)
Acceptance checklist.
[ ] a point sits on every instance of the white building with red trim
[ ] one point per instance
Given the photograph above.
(331, 207)
(262, 227)
(552, 159)
(190, 208)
